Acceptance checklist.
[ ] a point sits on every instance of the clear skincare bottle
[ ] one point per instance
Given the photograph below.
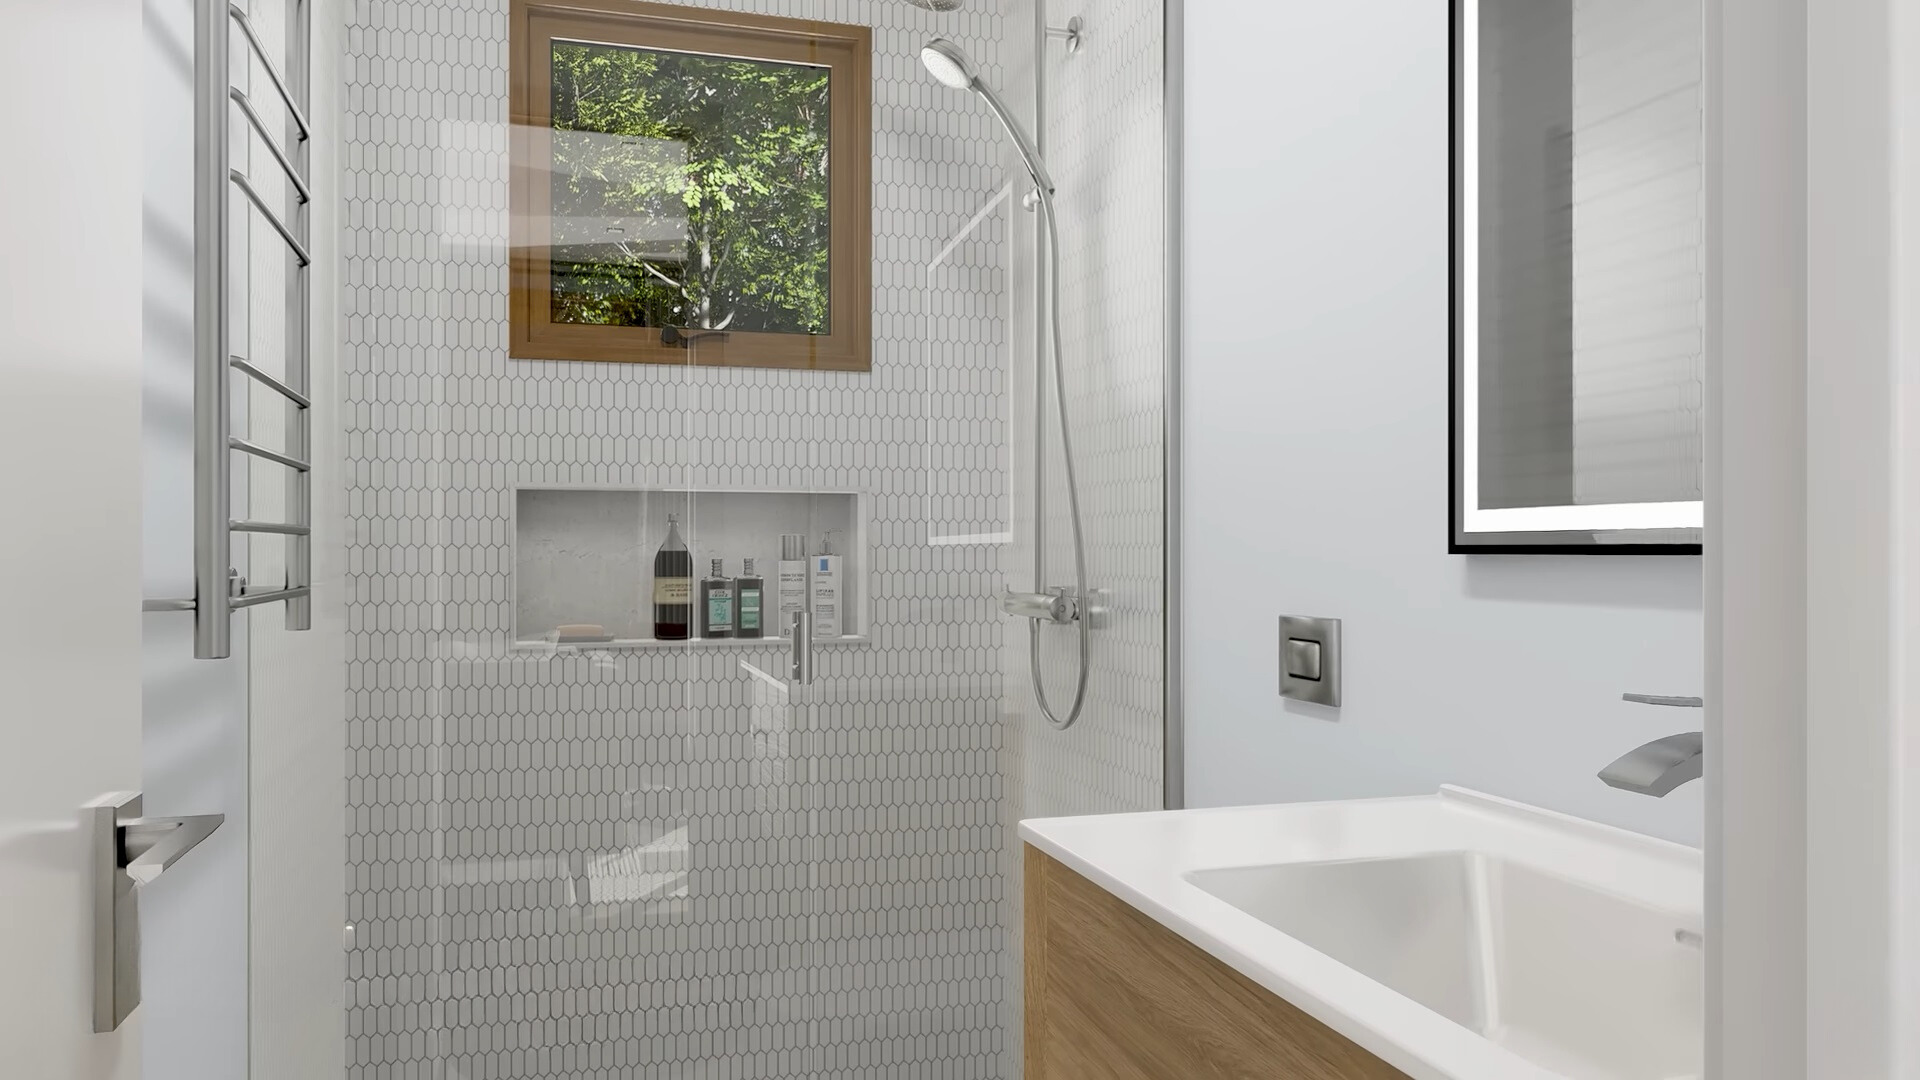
(826, 585)
(792, 580)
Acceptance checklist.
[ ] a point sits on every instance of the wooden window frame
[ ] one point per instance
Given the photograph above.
(845, 50)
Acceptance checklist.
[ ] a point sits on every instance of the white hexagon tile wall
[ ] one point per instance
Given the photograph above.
(650, 863)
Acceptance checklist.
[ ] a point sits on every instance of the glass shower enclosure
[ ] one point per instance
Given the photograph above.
(574, 849)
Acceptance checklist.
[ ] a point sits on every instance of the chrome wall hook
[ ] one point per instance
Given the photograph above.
(1070, 33)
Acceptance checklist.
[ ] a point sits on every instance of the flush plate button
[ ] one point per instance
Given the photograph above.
(1310, 659)
(1303, 659)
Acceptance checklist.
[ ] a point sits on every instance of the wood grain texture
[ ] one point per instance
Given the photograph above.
(1113, 995)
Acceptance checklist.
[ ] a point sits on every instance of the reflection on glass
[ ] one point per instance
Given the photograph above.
(1591, 263)
(689, 191)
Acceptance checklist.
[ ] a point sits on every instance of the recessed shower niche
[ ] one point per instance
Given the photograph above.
(584, 556)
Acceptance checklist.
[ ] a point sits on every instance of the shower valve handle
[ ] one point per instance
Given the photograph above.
(1056, 605)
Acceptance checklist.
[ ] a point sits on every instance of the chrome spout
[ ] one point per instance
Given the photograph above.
(1663, 764)
(1660, 766)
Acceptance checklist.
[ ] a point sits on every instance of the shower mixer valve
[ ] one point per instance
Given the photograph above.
(1060, 605)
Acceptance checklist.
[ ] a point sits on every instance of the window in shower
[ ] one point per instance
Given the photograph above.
(690, 186)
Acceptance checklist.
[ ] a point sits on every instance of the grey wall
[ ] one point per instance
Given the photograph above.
(1315, 457)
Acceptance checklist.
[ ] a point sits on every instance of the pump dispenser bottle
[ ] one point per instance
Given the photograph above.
(793, 581)
(825, 586)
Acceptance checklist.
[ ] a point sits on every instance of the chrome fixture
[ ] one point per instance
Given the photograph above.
(1310, 660)
(800, 671)
(215, 598)
(1056, 605)
(1663, 764)
(1070, 33)
(128, 851)
(1661, 699)
(936, 5)
(950, 64)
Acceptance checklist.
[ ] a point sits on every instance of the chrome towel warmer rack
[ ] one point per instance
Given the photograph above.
(218, 588)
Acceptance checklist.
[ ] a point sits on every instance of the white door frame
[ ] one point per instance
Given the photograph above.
(1902, 225)
(1853, 497)
(1813, 578)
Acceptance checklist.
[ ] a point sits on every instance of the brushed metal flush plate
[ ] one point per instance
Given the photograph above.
(1310, 659)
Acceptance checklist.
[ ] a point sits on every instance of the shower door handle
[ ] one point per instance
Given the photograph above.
(801, 672)
(128, 851)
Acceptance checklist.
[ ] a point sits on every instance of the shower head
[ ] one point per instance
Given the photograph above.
(936, 5)
(951, 65)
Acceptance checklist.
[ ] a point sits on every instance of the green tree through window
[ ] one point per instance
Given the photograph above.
(689, 191)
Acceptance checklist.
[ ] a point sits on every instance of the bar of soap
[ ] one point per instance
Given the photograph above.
(577, 633)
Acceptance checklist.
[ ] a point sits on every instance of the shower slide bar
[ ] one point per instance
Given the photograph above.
(219, 590)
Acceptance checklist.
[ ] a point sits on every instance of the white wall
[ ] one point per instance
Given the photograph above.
(1858, 590)
(297, 686)
(69, 566)
(1315, 457)
(193, 922)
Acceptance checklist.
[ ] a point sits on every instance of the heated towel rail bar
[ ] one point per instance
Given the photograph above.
(218, 590)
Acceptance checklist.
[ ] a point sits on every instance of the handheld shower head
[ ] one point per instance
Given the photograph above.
(951, 65)
(948, 63)
(936, 5)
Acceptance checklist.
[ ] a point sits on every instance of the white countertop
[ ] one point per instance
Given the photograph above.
(1143, 860)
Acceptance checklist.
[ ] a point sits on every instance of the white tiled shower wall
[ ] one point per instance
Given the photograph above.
(652, 863)
(1104, 135)
(1103, 126)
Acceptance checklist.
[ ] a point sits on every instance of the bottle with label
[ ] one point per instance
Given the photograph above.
(748, 589)
(672, 586)
(825, 586)
(716, 603)
(793, 580)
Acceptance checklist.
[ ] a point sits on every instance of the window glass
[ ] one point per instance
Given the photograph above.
(689, 191)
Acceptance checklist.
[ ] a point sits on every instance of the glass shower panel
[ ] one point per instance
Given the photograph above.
(576, 850)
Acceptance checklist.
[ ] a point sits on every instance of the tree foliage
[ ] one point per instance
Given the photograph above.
(727, 158)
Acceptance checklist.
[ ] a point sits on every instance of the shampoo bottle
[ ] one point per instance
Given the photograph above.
(825, 586)
(793, 580)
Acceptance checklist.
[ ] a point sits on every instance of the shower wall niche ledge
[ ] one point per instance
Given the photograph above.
(584, 555)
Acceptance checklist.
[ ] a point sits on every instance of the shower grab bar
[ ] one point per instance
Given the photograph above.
(217, 593)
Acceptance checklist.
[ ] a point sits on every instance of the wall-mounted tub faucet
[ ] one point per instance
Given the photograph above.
(1663, 764)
